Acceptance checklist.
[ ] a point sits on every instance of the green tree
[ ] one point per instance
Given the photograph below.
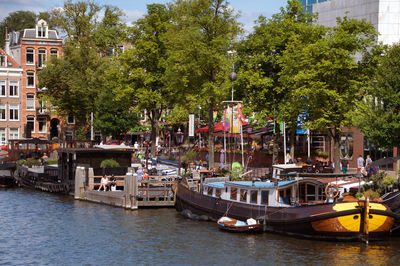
(198, 39)
(74, 81)
(141, 69)
(331, 72)
(15, 21)
(378, 116)
(264, 84)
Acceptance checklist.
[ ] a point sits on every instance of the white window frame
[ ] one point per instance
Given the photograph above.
(3, 134)
(5, 112)
(15, 85)
(44, 55)
(3, 87)
(68, 134)
(73, 120)
(14, 107)
(32, 75)
(9, 133)
(26, 56)
(27, 101)
(45, 125)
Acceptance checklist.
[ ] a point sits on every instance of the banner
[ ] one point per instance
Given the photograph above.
(191, 125)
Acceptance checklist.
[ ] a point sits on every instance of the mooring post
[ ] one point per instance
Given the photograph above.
(80, 177)
(91, 178)
(134, 201)
(128, 189)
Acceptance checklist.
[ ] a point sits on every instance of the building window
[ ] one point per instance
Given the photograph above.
(42, 125)
(14, 112)
(30, 79)
(42, 31)
(14, 134)
(30, 124)
(2, 136)
(54, 53)
(42, 107)
(2, 60)
(346, 146)
(2, 112)
(41, 57)
(2, 88)
(30, 56)
(70, 119)
(68, 135)
(30, 101)
(14, 88)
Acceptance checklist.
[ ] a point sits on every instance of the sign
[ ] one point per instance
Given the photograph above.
(301, 129)
(191, 125)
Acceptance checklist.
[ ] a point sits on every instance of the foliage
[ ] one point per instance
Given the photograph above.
(109, 163)
(74, 81)
(388, 181)
(371, 194)
(30, 163)
(140, 70)
(198, 39)
(237, 171)
(189, 156)
(378, 115)
(21, 162)
(321, 153)
(15, 21)
(52, 161)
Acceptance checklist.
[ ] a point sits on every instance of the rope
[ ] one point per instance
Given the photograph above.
(228, 208)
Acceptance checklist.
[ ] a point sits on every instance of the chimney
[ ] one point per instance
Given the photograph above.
(7, 42)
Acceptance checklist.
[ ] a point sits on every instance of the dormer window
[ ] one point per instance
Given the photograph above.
(41, 29)
(2, 60)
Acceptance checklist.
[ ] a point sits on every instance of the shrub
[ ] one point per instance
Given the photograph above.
(388, 180)
(237, 171)
(52, 161)
(371, 194)
(109, 163)
(21, 162)
(189, 156)
(31, 163)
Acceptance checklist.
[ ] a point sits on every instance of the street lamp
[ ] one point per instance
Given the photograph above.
(199, 128)
(179, 140)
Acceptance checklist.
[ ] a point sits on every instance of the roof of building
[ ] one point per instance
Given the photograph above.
(31, 34)
(14, 64)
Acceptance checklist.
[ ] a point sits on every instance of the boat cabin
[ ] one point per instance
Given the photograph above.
(281, 194)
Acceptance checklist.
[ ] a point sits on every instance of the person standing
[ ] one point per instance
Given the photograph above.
(345, 164)
(360, 163)
(368, 165)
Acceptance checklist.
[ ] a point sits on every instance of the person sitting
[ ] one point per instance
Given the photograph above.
(113, 183)
(103, 183)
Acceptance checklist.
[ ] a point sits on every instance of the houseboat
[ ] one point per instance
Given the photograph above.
(302, 207)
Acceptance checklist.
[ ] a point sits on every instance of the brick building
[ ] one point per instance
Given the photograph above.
(31, 48)
(11, 125)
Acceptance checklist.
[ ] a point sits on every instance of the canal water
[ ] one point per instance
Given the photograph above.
(38, 228)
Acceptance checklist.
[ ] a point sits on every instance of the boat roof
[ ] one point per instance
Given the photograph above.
(287, 166)
(250, 184)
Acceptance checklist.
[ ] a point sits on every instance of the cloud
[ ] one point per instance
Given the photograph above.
(8, 6)
(132, 16)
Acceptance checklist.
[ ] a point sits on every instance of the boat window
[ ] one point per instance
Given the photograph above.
(310, 192)
(218, 192)
(253, 196)
(32, 146)
(209, 191)
(233, 193)
(23, 146)
(321, 193)
(264, 196)
(243, 195)
(284, 195)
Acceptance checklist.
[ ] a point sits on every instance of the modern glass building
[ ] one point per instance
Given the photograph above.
(308, 4)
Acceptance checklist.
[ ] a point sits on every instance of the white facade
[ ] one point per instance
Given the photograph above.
(383, 14)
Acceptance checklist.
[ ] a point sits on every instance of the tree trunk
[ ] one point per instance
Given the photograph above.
(275, 149)
(210, 135)
(336, 145)
(154, 131)
(292, 133)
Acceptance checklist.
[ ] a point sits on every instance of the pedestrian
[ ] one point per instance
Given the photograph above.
(288, 158)
(345, 164)
(103, 183)
(360, 163)
(368, 165)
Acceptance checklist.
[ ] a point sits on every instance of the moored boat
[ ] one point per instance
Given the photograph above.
(234, 225)
(301, 207)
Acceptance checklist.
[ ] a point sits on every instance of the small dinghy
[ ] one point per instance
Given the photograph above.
(233, 225)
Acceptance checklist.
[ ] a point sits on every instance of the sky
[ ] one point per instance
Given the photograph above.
(134, 9)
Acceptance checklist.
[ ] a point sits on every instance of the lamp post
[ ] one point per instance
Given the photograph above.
(179, 140)
(199, 128)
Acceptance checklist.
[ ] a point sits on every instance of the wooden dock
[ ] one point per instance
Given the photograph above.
(130, 193)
